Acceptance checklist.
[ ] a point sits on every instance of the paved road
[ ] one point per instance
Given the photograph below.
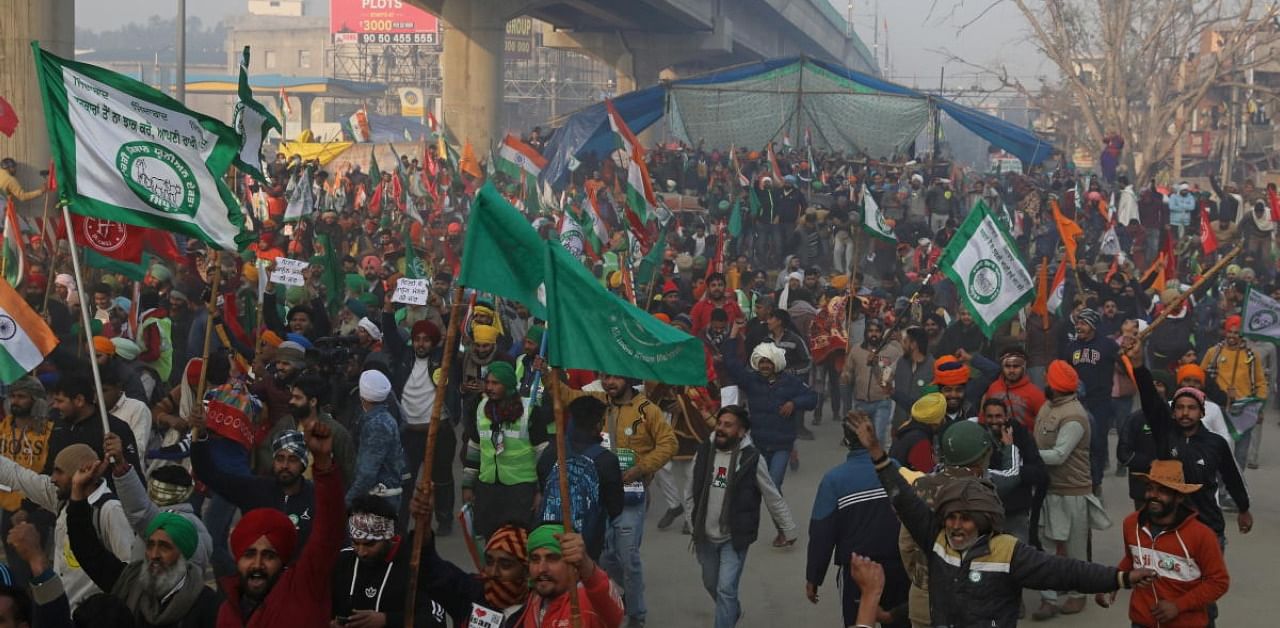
(772, 587)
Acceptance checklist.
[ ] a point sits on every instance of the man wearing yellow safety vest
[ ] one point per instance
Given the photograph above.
(504, 438)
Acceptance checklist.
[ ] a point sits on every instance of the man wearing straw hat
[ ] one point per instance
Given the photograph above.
(1167, 536)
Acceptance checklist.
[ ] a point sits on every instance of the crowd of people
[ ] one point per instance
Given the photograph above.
(263, 457)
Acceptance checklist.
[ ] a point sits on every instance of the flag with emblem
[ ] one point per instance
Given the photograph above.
(1260, 317)
(24, 337)
(130, 153)
(252, 122)
(985, 267)
(873, 221)
(593, 329)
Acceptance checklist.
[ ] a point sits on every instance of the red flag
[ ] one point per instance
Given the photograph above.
(53, 177)
(1112, 271)
(108, 238)
(1273, 200)
(8, 118)
(1208, 241)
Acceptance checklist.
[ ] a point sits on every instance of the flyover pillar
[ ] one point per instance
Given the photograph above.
(473, 70)
(52, 23)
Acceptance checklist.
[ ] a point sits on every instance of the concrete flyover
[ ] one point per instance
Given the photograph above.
(639, 38)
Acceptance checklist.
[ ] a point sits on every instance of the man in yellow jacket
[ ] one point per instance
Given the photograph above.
(1239, 372)
(9, 184)
(644, 441)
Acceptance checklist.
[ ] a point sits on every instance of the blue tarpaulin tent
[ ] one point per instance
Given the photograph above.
(754, 104)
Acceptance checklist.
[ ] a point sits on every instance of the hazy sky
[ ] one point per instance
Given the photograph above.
(916, 36)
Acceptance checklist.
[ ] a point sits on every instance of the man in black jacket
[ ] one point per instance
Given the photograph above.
(1136, 449)
(75, 399)
(164, 589)
(729, 480)
(371, 576)
(1016, 469)
(976, 573)
(286, 490)
(1205, 456)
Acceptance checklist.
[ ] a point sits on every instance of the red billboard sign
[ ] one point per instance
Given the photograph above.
(381, 22)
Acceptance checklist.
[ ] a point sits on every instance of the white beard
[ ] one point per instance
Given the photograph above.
(161, 584)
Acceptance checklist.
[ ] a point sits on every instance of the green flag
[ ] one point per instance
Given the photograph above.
(873, 219)
(332, 274)
(651, 264)
(414, 266)
(985, 267)
(375, 175)
(129, 153)
(754, 201)
(593, 329)
(252, 121)
(500, 252)
(735, 219)
(136, 272)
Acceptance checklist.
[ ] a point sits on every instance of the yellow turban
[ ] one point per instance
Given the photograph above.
(484, 334)
(930, 409)
(250, 272)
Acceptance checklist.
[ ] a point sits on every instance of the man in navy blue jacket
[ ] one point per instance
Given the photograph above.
(852, 515)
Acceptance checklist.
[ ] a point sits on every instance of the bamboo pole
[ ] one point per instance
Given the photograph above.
(84, 320)
(208, 327)
(423, 524)
(566, 504)
(1176, 304)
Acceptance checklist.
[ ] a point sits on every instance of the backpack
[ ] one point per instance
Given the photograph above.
(584, 494)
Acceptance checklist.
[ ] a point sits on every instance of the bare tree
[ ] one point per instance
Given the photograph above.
(1133, 67)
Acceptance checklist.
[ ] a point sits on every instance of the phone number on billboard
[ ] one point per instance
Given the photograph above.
(400, 38)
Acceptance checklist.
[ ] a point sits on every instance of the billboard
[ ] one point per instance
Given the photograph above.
(381, 22)
(519, 42)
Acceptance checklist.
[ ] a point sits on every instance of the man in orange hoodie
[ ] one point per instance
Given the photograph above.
(1166, 536)
(1022, 397)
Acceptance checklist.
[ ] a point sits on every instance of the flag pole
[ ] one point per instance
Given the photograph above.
(422, 525)
(208, 327)
(52, 247)
(566, 505)
(1175, 304)
(84, 321)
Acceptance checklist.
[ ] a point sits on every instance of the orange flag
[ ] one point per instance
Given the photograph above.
(469, 164)
(1068, 230)
(1041, 304)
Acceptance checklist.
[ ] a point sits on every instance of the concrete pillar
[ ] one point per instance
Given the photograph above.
(306, 102)
(52, 23)
(473, 70)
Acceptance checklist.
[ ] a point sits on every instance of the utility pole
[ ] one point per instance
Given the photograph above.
(180, 68)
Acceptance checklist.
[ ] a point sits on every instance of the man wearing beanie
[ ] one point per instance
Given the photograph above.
(500, 464)
(270, 589)
(913, 446)
(1062, 435)
(414, 361)
(976, 572)
(52, 492)
(1094, 358)
(559, 567)
(380, 466)
(166, 588)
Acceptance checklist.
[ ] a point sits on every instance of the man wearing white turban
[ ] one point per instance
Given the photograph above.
(380, 466)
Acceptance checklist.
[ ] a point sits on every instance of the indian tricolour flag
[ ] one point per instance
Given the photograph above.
(24, 337)
(990, 276)
(1057, 289)
(639, 191)
(130, 153)
(523, 164)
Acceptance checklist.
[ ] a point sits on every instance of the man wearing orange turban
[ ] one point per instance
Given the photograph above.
(951, 376)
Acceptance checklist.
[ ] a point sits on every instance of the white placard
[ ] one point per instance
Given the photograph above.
(411, 291)
(289, 272)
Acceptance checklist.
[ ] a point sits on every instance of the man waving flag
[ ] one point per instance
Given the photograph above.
(130, 153)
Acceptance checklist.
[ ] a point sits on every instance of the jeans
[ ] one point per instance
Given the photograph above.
(776, 460)
(841, 254)
(621, 558)
(217, 518)
(881, 416)
(1243, 445)
(1099, 427)
(1121, 408)
(1037, 375)
(721, 571)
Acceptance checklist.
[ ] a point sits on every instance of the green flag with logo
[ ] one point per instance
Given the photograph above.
(985, 267)
(1261, 317)
(129, 153)
(501, 252)
(593, 329)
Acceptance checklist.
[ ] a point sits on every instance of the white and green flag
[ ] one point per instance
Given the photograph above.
(129, 153)
(302, 198)
(252, 121)
(987, 270)
(873, 219)
(1260, 317)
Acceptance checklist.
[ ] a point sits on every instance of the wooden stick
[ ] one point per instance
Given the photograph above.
(84, 320)
(422, 524)
(52, 248)
(1176, 304)
(208, 327)
(566, 505)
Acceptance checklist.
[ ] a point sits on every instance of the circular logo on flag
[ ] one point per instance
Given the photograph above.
(159, 177)
(8, 328)
(984, 282)
(105, 235)
(1262, 320)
